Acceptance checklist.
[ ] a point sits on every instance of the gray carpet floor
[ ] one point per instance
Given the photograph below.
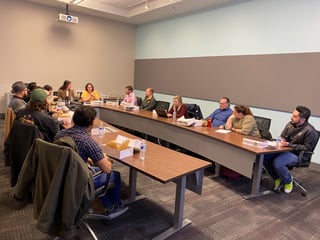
(219, 213)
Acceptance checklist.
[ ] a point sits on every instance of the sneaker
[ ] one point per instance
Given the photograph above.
(288, 187)
(115, 212)
(277, 183)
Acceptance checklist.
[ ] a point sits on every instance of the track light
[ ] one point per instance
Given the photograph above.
(146, 6)
(76, 1)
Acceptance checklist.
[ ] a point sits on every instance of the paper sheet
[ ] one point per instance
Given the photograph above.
(223, 131)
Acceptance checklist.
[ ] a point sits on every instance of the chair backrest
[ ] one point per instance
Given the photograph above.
(61, 185)
(162, 105)
(139, 101)
(17, 145)
(8, 121)
(306, 162)
(263, 124)
(194, 111)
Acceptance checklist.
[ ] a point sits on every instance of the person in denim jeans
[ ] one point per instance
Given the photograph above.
(298, 134)
(90, 152)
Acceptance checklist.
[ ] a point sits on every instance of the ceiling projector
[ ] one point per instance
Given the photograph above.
(67, 18)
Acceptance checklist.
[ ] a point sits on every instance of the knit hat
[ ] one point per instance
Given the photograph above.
(18, 87)
(39, 95)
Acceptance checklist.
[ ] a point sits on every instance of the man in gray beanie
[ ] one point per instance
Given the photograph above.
(19, 91)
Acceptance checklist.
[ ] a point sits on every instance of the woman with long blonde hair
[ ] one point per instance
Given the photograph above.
(179, 107)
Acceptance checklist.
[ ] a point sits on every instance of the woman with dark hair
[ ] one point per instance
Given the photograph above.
(242, 121)
(89, 94)
(65, 92)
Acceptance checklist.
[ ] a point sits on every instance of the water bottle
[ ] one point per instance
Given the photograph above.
(278, 142)
(174, 116)
(101, 130)
(143, 149)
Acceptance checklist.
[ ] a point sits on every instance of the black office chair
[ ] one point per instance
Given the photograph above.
(304, 162)
(194, 111)
(162, 105)
(263, 125)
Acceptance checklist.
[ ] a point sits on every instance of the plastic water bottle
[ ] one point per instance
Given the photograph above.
(143, 149)
(174, 116)
(278, 142)
(101, 130)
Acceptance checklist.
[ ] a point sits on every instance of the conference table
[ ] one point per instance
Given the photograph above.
(225, 149)
(161, 164)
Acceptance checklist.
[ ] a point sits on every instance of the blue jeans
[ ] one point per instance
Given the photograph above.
(113, 194)
(277, 165)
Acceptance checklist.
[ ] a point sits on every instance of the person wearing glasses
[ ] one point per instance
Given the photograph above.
(220, 116)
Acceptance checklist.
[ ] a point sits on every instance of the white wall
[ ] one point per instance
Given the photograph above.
(35, 47)
(252, 27)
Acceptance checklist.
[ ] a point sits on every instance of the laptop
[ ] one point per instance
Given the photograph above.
(161, 113)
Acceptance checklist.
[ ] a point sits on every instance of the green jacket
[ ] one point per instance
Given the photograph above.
(62, 187)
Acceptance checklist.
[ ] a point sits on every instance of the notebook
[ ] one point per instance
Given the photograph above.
(161, 113)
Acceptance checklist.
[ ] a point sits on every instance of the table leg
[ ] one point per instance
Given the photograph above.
(133, 187)
(257, 173)
(178, 221)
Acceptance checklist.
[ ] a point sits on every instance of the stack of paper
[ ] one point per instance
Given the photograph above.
(186, 121)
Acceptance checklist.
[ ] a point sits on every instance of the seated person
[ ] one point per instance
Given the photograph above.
(301, 136)
(179, 107)
(50, 98)
(90, 152)
(30, 86)
(149, 102)
(19, 91)
(36, 113)
(130, 98)
(242, 121)
(89, 94)
(65, 92)
(220, 116)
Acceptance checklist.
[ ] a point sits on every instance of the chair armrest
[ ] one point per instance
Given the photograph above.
(302, 163)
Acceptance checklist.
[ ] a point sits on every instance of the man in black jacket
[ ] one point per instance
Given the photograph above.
(298, 134)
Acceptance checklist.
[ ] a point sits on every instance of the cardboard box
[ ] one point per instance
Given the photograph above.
(128, 152)
(120, 153)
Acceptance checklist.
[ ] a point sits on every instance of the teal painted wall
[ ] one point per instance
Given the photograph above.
(250, 27)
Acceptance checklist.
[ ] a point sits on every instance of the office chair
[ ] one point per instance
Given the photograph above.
(8, 121)
(263, 125)
(194, 111)
(302, 163)
(138, 101)
(21, 137)
(162, 105)
(61, 185)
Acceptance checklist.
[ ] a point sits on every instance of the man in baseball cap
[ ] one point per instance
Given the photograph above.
(36, 112)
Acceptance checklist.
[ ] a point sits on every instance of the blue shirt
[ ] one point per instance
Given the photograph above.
(219, 117)
(87, 147)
